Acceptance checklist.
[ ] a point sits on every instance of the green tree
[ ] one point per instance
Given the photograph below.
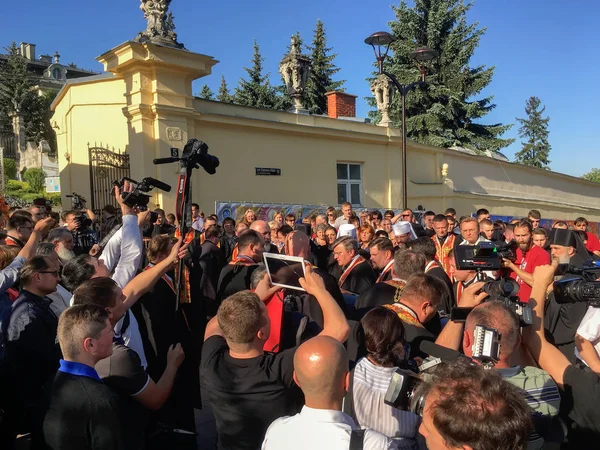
(257, 91)
(19, 94)
(36, 179)
(10, 169)
(445, 112)
(206, 93)
(223, 95)
(323, 70)
(536, 149)
(592, 175)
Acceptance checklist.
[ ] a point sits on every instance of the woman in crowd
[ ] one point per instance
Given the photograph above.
(331, 215)
(354, 220)
(366, 233)
(330, 235)
(274, 226)
(278, 218)
(381, 336)
(320, 246)
(249, 217)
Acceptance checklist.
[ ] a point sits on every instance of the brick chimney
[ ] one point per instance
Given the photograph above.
(340, 104)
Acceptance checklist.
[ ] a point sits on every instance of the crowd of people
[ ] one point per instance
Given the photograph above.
(96, 352)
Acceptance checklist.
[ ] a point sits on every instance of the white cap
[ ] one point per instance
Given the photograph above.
(402, 227)
(347, 229)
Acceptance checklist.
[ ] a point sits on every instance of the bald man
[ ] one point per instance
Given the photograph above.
(297, 243)
(262, 227)
(321, 371)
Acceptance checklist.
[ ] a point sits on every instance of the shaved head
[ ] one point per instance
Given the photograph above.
(320, 369)
(297, 243)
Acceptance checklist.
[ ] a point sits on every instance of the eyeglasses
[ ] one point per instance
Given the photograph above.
(53, 272)
(404, 215)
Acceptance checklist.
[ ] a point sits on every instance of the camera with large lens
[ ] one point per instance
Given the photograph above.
(78, 201)
(581, 286)
(82, 221)
(507, 250)
(135, 198)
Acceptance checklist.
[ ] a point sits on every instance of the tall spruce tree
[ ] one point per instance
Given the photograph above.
(536, 149)
(323, 70)
(445, 112)
(223, 95)
(257, 91)
(206, 93)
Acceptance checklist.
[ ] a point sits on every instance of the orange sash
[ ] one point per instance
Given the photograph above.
(243, 260)
(385, 271)
(355, 262)
(442, 251)
(405, 315)
(185, 296)
(165, 277)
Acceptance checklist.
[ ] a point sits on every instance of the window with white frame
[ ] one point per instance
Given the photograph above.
(349, 183)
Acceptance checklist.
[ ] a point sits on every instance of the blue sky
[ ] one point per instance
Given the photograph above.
(547, 48)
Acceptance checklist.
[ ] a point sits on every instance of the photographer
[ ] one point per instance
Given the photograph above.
(580, 389)
(79, 225)
(159, 226)
(468, 407)
(528, 257)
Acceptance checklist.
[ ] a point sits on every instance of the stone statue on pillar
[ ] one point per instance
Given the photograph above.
(294, 69)
(383, 90)
(160, 29)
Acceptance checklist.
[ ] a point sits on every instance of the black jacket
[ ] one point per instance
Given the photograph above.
(207, 262)
(32, 346)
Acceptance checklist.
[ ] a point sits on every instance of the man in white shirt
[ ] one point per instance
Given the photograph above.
(321, 371)
(469, 230)
(345, 217)
(123, 252)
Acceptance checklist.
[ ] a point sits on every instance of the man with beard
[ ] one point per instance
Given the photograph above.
(528, 257)
(62, 239)
(357, 274)
(562, 320)
(236, 275)
(382, 258)
(403, 233)
(444, 241)
(262, 227)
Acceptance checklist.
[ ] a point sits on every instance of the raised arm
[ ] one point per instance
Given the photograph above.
(335, 324)
(547, 355)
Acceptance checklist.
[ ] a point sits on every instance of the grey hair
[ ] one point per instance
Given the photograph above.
(45, 249)
(347, 242)
(257, 275)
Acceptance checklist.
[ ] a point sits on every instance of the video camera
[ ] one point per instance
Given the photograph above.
(575, 290)
(405, 390)
(135, 198)
(78, 201)
(488, 256)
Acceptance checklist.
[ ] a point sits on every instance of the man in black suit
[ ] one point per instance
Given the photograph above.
(207, 260)
(357, 274)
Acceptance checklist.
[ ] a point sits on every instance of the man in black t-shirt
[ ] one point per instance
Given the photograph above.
(84, 412)
(580, 394)
(246, 388)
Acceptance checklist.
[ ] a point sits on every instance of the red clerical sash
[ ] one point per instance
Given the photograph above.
(355, 262)
(243, 260)
(385, 271)
(442, 250)
(431, 265)
(405, 315)
(165, 277)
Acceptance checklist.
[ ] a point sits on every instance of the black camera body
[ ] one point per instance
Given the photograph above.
(135, 198)
(82, 222)
(582, 288)
(78, 201)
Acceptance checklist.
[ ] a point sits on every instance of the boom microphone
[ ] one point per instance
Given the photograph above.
(165, 160)
(437, 351)
(158, 184)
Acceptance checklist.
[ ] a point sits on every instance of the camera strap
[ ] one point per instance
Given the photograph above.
(357, 439)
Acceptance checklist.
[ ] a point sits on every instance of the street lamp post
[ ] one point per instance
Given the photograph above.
(421, 55)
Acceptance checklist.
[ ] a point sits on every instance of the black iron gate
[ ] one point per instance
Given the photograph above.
(106, 166)
(8, 141)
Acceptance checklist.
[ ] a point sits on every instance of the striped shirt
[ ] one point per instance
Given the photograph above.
(369, 410)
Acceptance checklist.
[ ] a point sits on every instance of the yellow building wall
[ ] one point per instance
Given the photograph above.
(146, 108)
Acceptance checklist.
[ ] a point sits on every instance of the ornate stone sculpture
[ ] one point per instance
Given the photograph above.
(383, 90)
(294, 69)
(160, 29)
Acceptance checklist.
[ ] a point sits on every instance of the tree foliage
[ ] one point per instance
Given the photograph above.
(323, 70)
(592, 175)
(446, 111)
(206, 93)
(223, 95)
(36, 178)
(257, 90)
(534, 128)
(19, 95)
(10, 168)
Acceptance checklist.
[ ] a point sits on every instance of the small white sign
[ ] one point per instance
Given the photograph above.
(52, 184)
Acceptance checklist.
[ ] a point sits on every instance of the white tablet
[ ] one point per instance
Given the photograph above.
(285, 271)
